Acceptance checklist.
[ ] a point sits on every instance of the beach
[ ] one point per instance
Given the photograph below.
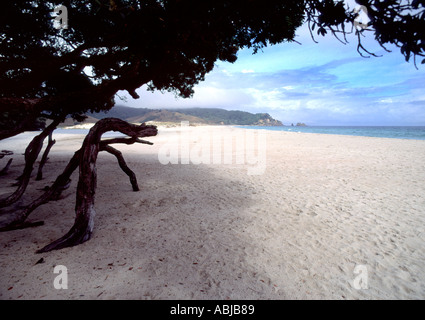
(274, 215)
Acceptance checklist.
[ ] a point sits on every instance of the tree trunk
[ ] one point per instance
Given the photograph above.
(83, 226)
(4, 153)
(31, 154)
(17, 220)
(6, 168)
(44, 157)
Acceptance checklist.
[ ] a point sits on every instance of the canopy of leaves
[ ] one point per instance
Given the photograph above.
(167, 44)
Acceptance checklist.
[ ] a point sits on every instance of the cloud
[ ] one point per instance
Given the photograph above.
(319, 84)
(386, 100)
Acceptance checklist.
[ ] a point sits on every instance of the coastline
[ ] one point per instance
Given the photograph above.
(392, 132)
(324, 205)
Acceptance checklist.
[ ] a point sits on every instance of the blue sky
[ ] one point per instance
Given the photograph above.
(325, 83)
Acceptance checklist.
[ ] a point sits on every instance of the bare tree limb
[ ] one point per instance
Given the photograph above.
(44, 157)
(123, 165)
(31, 154)
(61, 183)
(6, 168)
(83, 226)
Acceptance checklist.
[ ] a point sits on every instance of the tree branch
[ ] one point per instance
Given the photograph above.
(123, 165)
(44, 157)
(61, 183)
(31, 154)
(83, 226)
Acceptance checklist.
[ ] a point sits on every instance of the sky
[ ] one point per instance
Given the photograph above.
(325, 83)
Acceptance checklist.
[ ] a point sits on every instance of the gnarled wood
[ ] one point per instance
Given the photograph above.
(17, 220)
(83, 226)
(123, 165)
(6, 168)
(44, 157)
(5, 153)
(31, 154)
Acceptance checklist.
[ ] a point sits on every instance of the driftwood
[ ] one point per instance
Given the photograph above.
(31, 154)
(17, 221)
(105, 146)
(44, 157)
(123, 166)
(22, 226)
(6, 168)
(62, 182)
(4, 153)
(83, 226)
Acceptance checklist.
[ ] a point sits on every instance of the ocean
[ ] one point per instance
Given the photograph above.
(395, 132)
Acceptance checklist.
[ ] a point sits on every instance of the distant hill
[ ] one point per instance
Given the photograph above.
(165, 116)
(121, 112)
(221, 116)
(193, 115)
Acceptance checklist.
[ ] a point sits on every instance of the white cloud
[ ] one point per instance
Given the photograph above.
(386, 100)
(323, 84)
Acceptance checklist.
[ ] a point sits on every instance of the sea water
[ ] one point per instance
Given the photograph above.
(397, 132)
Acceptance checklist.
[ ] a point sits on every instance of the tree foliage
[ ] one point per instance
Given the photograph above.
(113, 45)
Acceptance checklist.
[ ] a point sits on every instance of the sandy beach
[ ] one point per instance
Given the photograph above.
(298, 216)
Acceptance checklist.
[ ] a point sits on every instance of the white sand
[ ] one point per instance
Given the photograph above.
(324, 205)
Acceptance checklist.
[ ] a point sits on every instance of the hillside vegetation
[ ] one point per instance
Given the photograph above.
(193, 115)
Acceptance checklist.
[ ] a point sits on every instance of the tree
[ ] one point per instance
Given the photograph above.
(169, 45)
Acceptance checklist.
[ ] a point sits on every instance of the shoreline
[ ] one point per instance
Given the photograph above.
(324, 205)
(334, 130)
